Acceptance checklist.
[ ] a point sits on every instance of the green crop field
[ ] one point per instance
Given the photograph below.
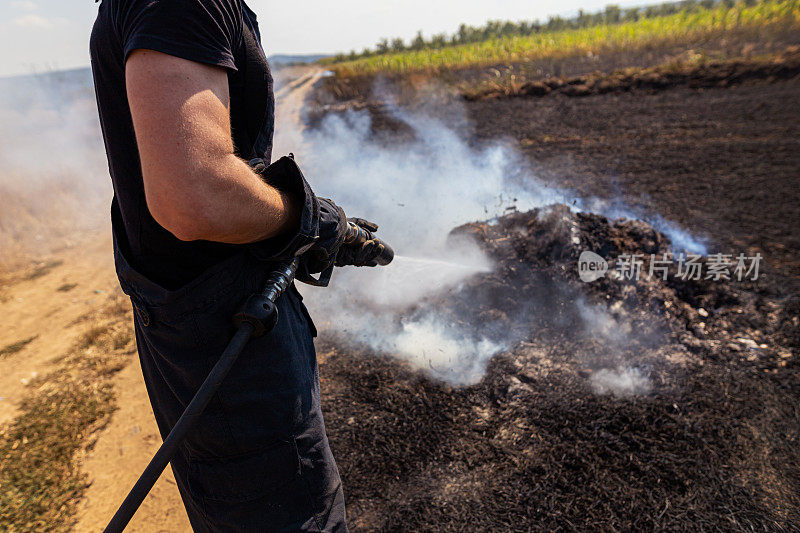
(685, 26)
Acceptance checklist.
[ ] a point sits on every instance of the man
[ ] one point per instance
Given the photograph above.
(185, 101)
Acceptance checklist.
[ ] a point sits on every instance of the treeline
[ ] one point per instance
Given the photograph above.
(495, 29)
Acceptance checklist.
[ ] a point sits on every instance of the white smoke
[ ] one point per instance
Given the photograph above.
(622, 382)
(598, 322)
(422, 188)
(616, 334)
(53, 174)
(49, 124)
(443, 350)
(418, 190)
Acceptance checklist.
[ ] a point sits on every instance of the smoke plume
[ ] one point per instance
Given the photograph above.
(54, 182)
(418, 190)
(53, 177)
(624, 381)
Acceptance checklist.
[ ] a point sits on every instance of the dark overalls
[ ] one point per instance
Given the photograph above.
(259, 458)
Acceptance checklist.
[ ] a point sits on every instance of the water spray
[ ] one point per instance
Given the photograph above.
(257, 317)
(439, 264)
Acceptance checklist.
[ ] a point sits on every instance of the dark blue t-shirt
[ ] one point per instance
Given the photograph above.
(216, 32)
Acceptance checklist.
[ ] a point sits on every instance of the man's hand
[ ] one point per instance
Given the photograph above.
(332, 230)
(195, 186)
(364, 253)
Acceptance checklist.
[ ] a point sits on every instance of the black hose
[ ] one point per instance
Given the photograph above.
(170, 445)
(257, 317)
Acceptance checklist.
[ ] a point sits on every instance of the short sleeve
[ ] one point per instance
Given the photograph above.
(205, 31)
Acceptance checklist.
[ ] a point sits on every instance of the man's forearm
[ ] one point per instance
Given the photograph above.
(228, 203)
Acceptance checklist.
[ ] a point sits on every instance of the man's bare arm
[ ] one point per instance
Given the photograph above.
(195, 186)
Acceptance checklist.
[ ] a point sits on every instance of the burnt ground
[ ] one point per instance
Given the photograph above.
(711, 444)
(724, 163)
(708, 443)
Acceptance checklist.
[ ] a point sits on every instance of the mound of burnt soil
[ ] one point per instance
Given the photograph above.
(619, 404)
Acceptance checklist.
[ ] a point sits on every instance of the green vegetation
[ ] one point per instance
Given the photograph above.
(613, 29)
(16, 346)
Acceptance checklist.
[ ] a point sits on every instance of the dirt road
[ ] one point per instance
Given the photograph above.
(41, 306)
(54, 305)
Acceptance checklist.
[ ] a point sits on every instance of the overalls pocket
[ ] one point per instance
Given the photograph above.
(244, 492)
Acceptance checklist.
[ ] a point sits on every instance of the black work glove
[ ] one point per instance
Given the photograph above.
(363, 254)
(321, 256)
(320, 231)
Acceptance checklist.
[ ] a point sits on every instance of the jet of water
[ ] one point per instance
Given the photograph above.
(422, 264)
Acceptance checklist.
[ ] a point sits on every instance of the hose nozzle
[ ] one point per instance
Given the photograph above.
(357, 235)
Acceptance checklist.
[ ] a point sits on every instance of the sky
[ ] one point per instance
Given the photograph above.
(42, 35)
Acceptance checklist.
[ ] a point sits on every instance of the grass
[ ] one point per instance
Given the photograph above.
(43, 269)
(91, 336)
(121, 339)
(690, 69)
(647, 32)
(15, 347)
(40, 482)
